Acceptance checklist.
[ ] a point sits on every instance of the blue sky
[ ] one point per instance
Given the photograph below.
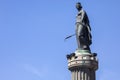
(32, 33)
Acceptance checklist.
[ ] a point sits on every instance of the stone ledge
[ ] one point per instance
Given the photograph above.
(83, 63)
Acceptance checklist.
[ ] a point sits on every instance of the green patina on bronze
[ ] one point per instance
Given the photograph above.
(82, 51)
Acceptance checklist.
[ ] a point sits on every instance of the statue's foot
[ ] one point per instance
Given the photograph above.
(85, 47)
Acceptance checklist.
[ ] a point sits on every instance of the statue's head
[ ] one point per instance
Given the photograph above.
(78, 6)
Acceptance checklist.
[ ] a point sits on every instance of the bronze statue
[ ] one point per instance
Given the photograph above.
(83, 30)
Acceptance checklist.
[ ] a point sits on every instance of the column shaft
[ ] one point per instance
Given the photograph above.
(83, 74)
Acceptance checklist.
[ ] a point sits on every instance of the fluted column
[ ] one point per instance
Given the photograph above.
(82, 66)
(83, 74)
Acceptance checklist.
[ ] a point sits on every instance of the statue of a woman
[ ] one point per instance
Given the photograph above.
(83, 30)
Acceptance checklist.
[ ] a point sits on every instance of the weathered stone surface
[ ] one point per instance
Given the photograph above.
(82, 66)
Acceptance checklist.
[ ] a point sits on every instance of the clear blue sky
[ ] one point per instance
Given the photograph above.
(32, 33)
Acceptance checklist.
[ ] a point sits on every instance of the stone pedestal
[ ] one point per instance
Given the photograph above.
(82, 65)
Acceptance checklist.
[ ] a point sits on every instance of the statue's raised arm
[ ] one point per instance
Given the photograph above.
(83, 30)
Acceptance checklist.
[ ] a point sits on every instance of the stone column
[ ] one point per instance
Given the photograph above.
(82, 65)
